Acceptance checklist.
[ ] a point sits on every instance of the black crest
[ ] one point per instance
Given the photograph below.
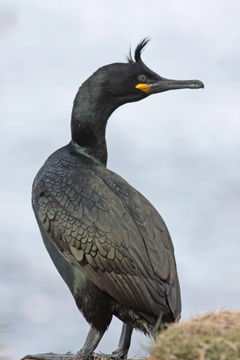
(138, 51)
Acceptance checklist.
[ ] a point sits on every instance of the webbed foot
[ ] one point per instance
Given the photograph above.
(52, 356)
(93, 338)
(119, 353)
(123, 346)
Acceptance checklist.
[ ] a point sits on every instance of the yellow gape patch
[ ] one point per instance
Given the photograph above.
(144, 87)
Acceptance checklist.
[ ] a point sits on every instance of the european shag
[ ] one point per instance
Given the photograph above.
(109, 244)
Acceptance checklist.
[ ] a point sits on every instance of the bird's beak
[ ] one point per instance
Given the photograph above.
(169, 84)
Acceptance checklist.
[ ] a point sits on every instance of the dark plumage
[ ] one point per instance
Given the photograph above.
(107, 241)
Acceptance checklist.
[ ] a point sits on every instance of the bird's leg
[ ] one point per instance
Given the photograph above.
(123, 346)
(92, 340)
(124, 342)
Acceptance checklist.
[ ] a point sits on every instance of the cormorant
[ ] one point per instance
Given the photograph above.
(109, 244)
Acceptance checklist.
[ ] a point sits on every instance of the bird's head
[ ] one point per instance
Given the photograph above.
(108, 88)
(133, 81)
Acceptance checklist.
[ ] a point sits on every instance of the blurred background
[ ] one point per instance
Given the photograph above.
(180, 149)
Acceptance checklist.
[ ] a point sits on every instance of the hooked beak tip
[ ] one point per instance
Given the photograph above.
(198, 84)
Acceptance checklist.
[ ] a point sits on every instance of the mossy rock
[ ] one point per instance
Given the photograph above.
(210, 336)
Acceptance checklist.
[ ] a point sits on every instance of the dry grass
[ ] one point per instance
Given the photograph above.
(210, 336)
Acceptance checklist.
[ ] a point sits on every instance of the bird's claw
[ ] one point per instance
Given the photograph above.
(117, 354)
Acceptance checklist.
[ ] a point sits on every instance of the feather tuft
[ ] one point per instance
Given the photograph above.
(138, 51)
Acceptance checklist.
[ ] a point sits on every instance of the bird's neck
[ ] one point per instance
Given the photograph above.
(91, 110)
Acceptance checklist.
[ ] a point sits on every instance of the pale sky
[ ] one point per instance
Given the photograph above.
(180, 149)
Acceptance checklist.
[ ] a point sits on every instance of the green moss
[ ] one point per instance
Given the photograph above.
(213, 336)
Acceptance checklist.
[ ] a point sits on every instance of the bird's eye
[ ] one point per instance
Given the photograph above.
(142, 78)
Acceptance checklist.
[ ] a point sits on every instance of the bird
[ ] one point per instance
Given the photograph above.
(108, 242)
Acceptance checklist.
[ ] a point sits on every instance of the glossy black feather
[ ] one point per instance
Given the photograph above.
(109, 244)
(102, 225)
(138, 51)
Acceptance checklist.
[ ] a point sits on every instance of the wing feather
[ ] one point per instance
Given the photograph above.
(101, 223)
